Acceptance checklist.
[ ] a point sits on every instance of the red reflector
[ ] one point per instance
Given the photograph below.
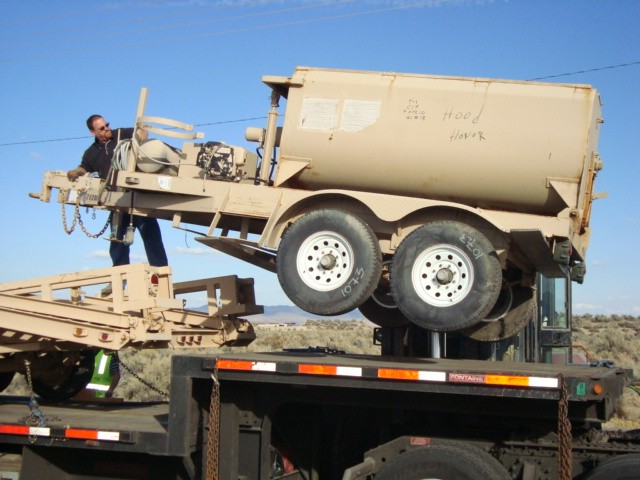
(154, 279)
(105, 337)
(14, 429)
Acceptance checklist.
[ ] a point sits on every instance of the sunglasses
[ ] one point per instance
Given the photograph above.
(103, 128)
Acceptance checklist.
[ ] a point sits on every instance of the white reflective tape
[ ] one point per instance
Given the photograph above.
(432, 376)
(544, 382)
(112, 436)
(264, 366)
(102, 366)
(39, 431)
(349, 371)
(97, 386)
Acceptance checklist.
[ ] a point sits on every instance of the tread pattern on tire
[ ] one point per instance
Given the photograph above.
(483, 293)
(520, 314)
(445, 460)
(624, 467)
(367, 258)
(78, 378)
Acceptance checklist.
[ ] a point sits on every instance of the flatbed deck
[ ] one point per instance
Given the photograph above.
(303, 398)
(591, 390)
(118, 426)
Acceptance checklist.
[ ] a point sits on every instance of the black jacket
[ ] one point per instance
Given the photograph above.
(97, 158)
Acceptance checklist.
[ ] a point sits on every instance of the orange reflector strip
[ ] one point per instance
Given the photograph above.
(398, 374)
(76, 433)
(14, 429)
(513, 381)
(234, 365)
(504, 380)
(317, 369)
(91, 434)
(79, 433)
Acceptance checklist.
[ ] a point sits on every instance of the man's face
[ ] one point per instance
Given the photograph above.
(101, 130)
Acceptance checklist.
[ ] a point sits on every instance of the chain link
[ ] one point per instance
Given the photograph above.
(35, 417)
(565, 456)
(143, 381)
(213, 436)
(77, 218)
(82, 227)
(68, 230)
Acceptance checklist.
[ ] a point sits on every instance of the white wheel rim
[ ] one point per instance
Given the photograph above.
(325, 261)
(442, 275)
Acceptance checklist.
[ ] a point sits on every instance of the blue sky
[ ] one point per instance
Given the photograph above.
(202, 61)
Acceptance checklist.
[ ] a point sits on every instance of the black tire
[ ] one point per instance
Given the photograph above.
(521, 311)
(307, 265)
(445, 276)
(66, 379)
(444, 461)
(624, 467)
(5, 380)
(381, 308)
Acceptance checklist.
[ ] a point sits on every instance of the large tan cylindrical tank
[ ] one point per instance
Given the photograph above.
(509, 145)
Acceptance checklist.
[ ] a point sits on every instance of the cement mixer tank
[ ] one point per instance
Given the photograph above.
(496, 144)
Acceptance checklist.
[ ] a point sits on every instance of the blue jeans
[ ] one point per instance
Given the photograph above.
(151, 236)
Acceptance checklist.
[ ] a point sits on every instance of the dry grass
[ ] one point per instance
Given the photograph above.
(613, 338)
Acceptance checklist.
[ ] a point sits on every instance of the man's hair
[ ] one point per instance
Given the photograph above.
(90, 121)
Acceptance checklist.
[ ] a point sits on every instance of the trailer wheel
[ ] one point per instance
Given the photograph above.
(71, 372)
(5, 380)
(381, 308)
(444, 461)
(329, 262)
(445, 276)
(624, 467)
(520, 313)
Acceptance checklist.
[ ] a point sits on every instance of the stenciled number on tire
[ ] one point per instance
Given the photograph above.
(470, 244)
(355, 280)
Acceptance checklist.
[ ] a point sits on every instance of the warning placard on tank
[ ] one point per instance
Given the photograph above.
(318, 114)
(359, 114)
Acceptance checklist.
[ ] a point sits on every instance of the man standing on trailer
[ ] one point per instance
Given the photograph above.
(97, 158)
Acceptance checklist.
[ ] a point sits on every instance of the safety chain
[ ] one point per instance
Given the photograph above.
(82, 227)
(36, 417)
(77, 218)
(213, 436)
(68, 230)
(143, 381)
(565, 457)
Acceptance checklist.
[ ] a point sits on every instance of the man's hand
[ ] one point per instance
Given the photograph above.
(142, 135)
(75, 173)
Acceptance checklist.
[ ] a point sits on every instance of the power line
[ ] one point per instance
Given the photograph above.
(222, 122)
(597, 69)
(610, 67)
(44, 141)
(424, 3)
(90, 31)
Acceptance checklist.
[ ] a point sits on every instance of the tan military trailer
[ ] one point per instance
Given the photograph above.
(420, 198)
(52, 327)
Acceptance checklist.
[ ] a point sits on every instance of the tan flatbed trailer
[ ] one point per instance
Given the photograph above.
(51, 326)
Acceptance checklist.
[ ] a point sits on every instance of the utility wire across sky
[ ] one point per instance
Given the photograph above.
(222, 122)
